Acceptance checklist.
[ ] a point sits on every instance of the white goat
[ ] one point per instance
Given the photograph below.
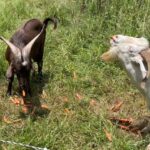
(133, 70)
(134, 46)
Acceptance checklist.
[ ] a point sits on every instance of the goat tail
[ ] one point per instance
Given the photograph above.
(53, 20)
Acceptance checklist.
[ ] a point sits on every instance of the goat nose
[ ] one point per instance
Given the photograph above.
(113, 38)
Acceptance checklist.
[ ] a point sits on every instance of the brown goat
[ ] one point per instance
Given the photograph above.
(25, 45)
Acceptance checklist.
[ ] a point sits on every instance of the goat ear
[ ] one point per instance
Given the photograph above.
(15, 50)
(27, 49)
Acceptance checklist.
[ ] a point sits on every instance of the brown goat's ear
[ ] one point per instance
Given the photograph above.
(15, 50)
(27, 49)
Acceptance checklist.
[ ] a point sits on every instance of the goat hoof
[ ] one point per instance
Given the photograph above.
(8, 94)
(40, 77)
(33, 74)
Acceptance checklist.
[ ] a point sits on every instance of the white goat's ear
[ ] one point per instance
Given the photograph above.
(15, 50)
(27, 49)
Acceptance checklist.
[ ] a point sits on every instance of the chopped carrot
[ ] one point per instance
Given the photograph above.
(23, 93)
(78, 96)
(25, 109)
(93, 102)
(117, 106)
(108, 135)
(67, 111)
(15, 101)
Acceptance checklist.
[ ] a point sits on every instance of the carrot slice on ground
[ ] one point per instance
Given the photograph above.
(117, 106)
(108, 135)
(23, 93)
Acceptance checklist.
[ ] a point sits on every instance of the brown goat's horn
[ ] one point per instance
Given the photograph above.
(27, 49)
(15, 50)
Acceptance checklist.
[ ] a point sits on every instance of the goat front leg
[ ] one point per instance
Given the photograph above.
(28, 86)
(138, 59)
(148, 72)
(40, 66)
(10, 78)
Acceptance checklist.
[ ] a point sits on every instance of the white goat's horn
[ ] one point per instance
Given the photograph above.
(15, 50)
(27, 49)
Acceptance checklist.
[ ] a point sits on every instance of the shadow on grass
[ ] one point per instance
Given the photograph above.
(37, 90)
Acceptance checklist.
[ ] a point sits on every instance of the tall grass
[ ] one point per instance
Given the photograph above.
(72, 66)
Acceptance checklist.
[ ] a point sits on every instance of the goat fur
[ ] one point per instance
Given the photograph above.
(132, 68)
(134, 46)
(25, 45)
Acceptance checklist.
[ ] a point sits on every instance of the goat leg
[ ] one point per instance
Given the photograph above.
(40, 65)
(148, 66)
(28, 86)
(10, 78)
(21, 86)
(32, 70)
(138, 59)
(145, 130)
(146, 56)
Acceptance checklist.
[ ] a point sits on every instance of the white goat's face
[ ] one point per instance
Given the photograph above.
(116, 39)
(112, 53)
(115, 52)
(119, 39)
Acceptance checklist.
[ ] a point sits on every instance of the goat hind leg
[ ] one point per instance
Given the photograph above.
(9, 89)
(10, 78)
(40, 66)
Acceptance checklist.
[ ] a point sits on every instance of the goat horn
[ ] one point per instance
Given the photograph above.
(15, 50)
(27, 49)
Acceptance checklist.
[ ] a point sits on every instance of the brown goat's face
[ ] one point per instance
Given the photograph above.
(20, 62)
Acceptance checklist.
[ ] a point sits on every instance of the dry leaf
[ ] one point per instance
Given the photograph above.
(93, 103)
(74, 75)
(78, 96)
(65, 100)
(67, 111)
(44, 106)
(108, 135)
(44, 95)
(117, 106)
(8, 121)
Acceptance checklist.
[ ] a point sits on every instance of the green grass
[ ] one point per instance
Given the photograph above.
(75, 48)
